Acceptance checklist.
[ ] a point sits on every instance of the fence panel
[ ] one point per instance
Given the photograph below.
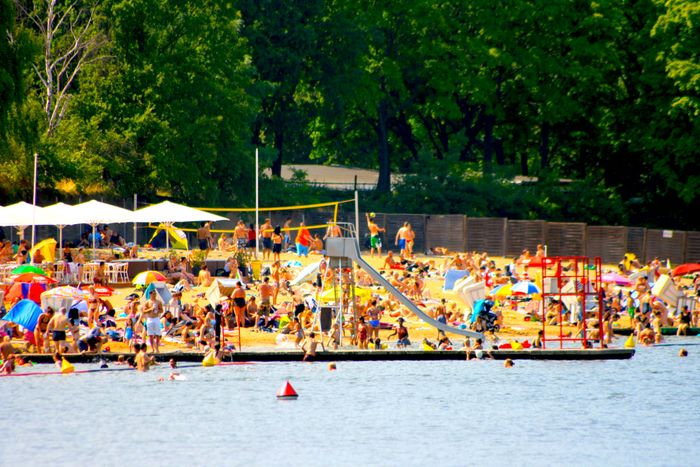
(523, 235)
(607, 241)
(487, 234)
(395, 221)
(692, 247)
(448, 231)
(636, 239)
(565, 238)
(665, 244)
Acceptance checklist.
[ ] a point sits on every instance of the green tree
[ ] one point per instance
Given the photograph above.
(170, 113)
(678, 34)
(284, 44)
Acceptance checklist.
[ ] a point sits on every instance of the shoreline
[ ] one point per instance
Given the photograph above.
(358, 355)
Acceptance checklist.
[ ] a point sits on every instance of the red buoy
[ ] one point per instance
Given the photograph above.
(287, 392)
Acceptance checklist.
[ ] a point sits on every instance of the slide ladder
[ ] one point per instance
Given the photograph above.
(350, 248)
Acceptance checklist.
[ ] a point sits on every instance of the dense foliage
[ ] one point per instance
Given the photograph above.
(170, 98)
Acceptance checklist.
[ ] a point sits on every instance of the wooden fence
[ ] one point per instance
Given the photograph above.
(497, 236)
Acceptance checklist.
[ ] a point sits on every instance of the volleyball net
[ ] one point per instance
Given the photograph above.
(315, 216)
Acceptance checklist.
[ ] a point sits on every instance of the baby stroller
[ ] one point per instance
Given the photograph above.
(482, 319)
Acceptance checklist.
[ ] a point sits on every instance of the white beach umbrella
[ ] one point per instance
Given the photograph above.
(95, 212)
(7, 218)
(169, 213)
(21, 215)
(60, 215)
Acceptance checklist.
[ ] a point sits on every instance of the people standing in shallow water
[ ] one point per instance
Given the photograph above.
(401, 333)
(309, 347)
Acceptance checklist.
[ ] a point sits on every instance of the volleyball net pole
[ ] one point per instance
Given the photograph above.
(257, 204)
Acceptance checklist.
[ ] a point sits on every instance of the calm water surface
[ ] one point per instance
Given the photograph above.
(645, 411)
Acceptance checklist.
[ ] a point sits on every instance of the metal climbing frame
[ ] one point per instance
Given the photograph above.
(573, 284)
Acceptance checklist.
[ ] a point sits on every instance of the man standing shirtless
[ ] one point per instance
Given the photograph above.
(151, 312)
(400, 239)
(375, 242)
(266, 235)
(57, 327)
(333, 230)
(265, 290)
(241, 234)
(204, 237)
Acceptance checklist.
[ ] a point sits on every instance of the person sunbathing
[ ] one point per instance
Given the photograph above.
(390, 262)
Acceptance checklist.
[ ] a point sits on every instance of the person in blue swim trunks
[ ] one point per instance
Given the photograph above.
(373, 313)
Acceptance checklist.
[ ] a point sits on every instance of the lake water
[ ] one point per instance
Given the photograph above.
(643, 411)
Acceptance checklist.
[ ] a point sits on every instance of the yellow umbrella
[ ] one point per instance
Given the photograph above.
(331, 294)
(48, 249)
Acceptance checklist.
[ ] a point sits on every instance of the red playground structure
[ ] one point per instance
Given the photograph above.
(572, 292)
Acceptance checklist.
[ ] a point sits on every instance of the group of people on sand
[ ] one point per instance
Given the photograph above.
(271, 304)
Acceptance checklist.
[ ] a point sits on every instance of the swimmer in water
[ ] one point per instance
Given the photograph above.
(310, 352)
(9, 366)
(508, 363)
(682, 353)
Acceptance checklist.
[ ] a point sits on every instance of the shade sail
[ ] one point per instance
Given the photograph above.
(171, 213)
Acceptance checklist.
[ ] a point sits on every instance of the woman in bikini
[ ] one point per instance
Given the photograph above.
(93, 302)
(277, 240)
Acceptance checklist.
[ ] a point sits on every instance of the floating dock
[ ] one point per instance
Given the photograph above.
(362, 355)
(664, 331)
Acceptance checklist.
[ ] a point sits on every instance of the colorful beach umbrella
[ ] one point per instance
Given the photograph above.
(504, 290)
(684, 269)
(525, 288)
(614, 278)
(28, 268)
(28, 277)
(61, 297)
(66, 291)
(538, 261)
(25, 290)
(146, 277)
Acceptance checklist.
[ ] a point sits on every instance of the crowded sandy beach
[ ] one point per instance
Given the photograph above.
(287, 294)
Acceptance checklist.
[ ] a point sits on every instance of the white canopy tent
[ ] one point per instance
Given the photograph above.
(169, 213)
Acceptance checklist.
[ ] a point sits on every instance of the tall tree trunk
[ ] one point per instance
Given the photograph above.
(384, 182)
(500, 156)
(523, 163)
(279, 145)
(489, 121)
(544, 146)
